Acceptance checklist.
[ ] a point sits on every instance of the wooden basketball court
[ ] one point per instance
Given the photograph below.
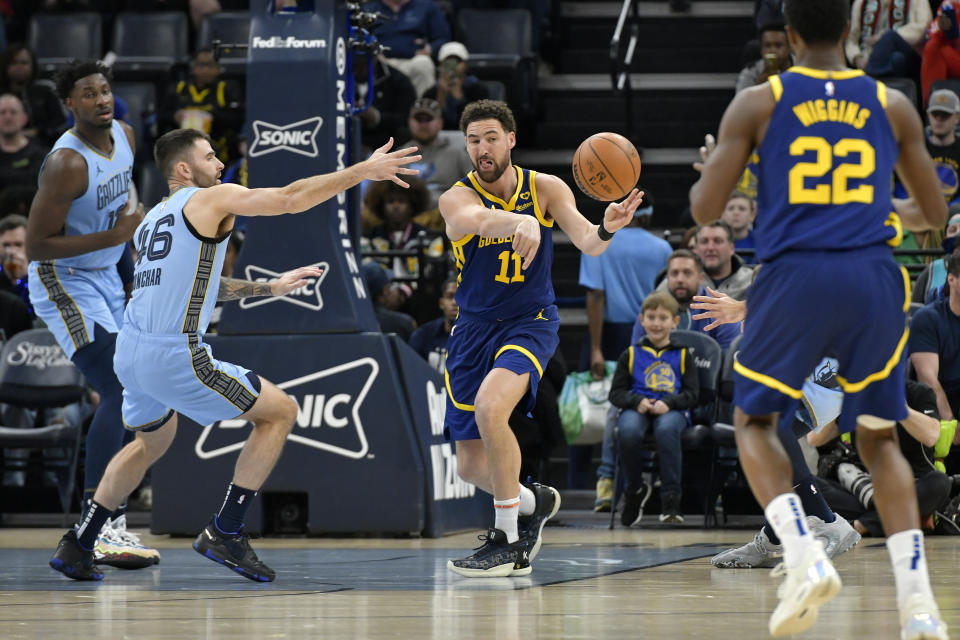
(587, 582)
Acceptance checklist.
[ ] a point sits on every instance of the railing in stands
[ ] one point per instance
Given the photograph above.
(620, 64)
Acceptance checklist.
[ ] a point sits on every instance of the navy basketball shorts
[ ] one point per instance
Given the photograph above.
(161, 374)
(807, 305)
(476, 346)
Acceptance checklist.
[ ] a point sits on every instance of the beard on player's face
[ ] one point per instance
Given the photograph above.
(496, 168)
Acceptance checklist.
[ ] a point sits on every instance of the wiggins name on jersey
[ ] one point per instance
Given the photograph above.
(825, 165)
(492, 286)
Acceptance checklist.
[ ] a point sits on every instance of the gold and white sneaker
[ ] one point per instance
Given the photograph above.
(118, 547)
(920, 619)
(808, 586)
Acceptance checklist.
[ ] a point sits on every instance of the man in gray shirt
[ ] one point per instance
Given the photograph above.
(445, 159)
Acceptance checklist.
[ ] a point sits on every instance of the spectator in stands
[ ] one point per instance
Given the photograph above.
(206, 102)
(201, 8)
(851, 493)
(654, 385)
(378, 284)
(13, 269)
(393, 95)
(443, 161)
(20, 157)
(886, 40)
(430, 339)
(740, 212)
(414, 31)
(454, 88)
(46, 118)
(689, 239)
(935, 342)
(684, 275)
(726, 272)
(941, 53)
(931, 283)
(775, 56)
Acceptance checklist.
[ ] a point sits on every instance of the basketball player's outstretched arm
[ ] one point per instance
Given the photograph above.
(64, 179)
(235, 288)
(557, 201)
(741, 131)
(927, 208)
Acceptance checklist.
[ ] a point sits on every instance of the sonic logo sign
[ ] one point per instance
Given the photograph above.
(307, 296)
(296, 137)
(328, 416)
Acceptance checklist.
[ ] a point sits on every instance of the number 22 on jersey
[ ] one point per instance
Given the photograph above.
(857, 162)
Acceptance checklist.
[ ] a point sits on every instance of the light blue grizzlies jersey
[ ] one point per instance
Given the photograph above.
(108, 186)
(177, 274)
(492, 284)
(826, 163)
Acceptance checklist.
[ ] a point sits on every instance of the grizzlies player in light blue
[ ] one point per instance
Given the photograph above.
(79, 224)
(499, 218)
(161, 358)
(828, 139)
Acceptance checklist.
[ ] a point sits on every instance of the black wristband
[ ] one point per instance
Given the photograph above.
(603, 233)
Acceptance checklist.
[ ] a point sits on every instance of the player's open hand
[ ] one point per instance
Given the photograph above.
(129, 219)
(293, 280)
(526, 240)
(709, 144)
(619, 214)
(719, 307)
(384, 164)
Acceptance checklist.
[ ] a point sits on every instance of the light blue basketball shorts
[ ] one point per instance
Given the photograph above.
(161, 374)
(70, 301)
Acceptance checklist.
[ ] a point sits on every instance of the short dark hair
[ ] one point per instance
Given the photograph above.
(66, 76)
(721, 224)
(817, 21)
(488, 110)
(659, 299)
(171, 146)
(12, 221)
(953, 263)
(417, 194)
(685, 253)
(772, 25)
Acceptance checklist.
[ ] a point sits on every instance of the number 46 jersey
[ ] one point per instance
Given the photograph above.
(826, 163)
(492, 286)
(177, 274)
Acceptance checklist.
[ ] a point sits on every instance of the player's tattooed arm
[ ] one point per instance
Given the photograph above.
(235, 289)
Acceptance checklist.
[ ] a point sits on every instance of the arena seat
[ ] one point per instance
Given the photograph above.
(147, 45)
(229, 27)
(141, 99)
(56, 38)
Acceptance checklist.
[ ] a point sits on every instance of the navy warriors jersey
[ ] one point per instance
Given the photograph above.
(826, 163)
(108, 184)
(492, 284)
(177, 274)
(657, 373)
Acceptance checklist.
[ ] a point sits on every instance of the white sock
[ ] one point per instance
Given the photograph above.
(528, 501)
(909, 563)
(785, 514)
(507, 512)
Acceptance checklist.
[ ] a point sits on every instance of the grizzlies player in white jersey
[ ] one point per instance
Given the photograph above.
(79, 224)
(161, 358)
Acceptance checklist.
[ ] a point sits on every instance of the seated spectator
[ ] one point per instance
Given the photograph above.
(414, 31)
(684, 275)
(13, 269)
(941, 53)
(46, 117)
(393, 95)
(454, 88)
(378, 283)
(931, 283)
(655, 385)
(726, 272)
(887, 40)
(443, 161)
(430, 339)
(20, 157)
(395, 207)
(206, 102)
(775, 56)
(740, 212)
(849, 488)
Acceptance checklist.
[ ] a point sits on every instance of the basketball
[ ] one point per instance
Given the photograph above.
(606, 166)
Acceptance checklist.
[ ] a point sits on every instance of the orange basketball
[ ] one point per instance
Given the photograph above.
(606, 166)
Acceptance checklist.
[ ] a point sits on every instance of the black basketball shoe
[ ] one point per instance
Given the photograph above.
(530, 527)
(495, 558)
(74, 561)
(233, 551)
